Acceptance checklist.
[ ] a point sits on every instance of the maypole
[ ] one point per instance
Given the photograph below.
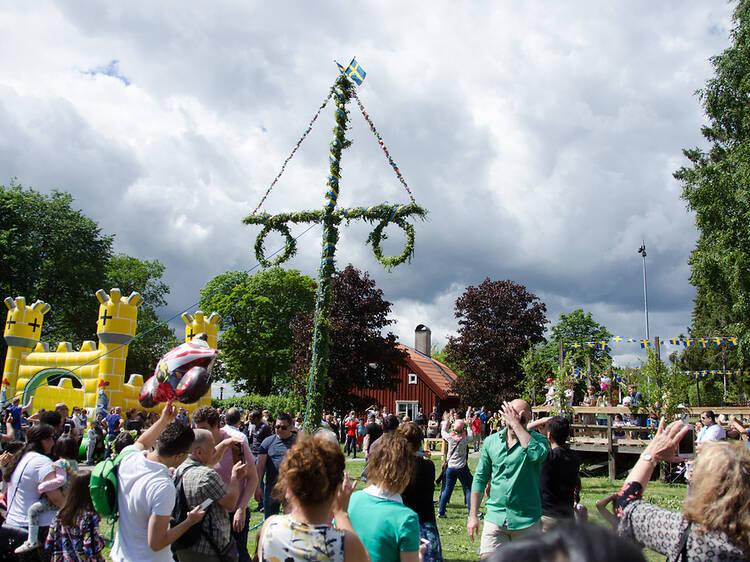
(331, 217)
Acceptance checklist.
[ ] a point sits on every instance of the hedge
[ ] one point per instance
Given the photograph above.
(274, 403)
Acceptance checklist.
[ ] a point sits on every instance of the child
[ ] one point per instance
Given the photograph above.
(74, 534)
(66, 449)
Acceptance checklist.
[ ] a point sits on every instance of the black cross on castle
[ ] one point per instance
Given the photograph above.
(104, 318)
(9, 323)
(34, 325)
(331, 217)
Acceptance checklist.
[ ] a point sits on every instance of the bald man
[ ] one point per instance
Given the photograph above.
(512, 458)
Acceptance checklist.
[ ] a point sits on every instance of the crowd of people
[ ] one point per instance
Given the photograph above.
(185, 484)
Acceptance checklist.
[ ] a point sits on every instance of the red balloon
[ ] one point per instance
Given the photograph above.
(154, 392)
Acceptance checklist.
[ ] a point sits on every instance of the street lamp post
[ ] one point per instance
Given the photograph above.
(642, 251)
(221, 392)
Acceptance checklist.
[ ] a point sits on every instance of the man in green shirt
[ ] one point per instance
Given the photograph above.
(510, 461)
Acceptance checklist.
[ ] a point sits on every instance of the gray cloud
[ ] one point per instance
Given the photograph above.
(541, 138)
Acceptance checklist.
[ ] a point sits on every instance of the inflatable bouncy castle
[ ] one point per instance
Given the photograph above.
(95, 374)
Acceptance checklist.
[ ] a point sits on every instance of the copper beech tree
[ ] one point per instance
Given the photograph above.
(498, 321)
(361, 357)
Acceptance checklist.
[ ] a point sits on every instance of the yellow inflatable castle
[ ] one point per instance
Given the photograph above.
(31, 370)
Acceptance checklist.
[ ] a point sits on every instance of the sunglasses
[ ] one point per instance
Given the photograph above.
(281, 427)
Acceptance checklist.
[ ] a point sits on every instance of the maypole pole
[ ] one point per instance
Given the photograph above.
(331, 217)
(321, 347)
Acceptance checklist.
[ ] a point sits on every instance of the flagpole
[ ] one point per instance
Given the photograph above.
(642, 251)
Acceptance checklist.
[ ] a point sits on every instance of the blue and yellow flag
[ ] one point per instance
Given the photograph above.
(353, 71)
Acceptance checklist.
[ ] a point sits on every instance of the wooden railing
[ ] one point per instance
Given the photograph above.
(601, 438)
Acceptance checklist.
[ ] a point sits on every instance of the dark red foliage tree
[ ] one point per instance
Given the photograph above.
(498, 321)
(361, 357)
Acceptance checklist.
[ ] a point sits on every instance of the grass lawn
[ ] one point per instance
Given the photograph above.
(457, 546)
(455, 542)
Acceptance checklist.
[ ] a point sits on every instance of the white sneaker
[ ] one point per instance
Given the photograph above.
(27, 546)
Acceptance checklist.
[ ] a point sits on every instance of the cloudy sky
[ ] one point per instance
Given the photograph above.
(541, 137)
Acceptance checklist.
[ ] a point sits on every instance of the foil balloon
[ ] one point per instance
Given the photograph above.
(183, 374)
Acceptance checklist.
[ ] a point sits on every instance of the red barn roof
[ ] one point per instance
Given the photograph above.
(438, 376)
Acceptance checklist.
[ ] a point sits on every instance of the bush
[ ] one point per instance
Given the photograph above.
(274, 403)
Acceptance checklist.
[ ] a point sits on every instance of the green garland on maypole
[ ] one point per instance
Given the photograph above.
(331, 217)
(322, 332)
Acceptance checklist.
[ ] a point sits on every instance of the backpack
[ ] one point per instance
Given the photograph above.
(179, 514)
(189, 539)
(103, 486)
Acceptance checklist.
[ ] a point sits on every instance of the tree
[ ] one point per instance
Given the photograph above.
(154, 338)
(716, 186)
(256, 311)
(498, 321)
(361, 356)
(52, 252)
(541, 362)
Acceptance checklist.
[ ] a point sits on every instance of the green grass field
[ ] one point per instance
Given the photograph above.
(455, 542)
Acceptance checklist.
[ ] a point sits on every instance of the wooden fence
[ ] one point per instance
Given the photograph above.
(602, 439)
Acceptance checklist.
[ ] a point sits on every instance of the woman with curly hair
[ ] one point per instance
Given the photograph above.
(313, 482)
(388, 529)
(715, 519)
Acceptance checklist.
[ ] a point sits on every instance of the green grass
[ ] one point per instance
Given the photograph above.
(453, 537)
(455, 541)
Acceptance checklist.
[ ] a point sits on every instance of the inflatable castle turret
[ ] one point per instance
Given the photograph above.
(31, 370)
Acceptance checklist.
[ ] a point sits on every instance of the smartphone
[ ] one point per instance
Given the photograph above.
(67, 428)
(424, 542)
(686, 448)
(206, 503)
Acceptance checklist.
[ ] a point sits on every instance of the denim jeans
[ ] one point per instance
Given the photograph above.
(351, 445)
(451, 475)
(241, 537)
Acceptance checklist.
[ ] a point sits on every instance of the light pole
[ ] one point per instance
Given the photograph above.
(221, 392)
(642, 251)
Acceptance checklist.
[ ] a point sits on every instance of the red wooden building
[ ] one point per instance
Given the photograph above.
(422, 384)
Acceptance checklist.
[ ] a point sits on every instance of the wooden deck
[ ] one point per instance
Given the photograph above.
(601, 439)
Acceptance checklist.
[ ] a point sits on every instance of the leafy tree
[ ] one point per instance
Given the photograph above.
(716, 186)
(256, 310)
(441, 355)
(154, 338)
(361, 356)
(537, 368)
(52, 252)
(577, 327)
(498, 321)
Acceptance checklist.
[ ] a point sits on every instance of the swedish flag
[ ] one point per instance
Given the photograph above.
(353, 72)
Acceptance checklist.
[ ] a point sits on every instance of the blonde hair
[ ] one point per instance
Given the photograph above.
(719, 498)
(391, 463)
(413, 434)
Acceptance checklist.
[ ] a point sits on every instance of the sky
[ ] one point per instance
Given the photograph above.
(540, 136)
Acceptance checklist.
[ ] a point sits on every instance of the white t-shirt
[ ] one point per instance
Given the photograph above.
(713, 432)
(234, 432)
(32, 469)
(145, 488)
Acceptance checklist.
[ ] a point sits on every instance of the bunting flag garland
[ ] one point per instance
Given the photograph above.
(294, 150)
(576, 373)
(382, 145)
(644, 343)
